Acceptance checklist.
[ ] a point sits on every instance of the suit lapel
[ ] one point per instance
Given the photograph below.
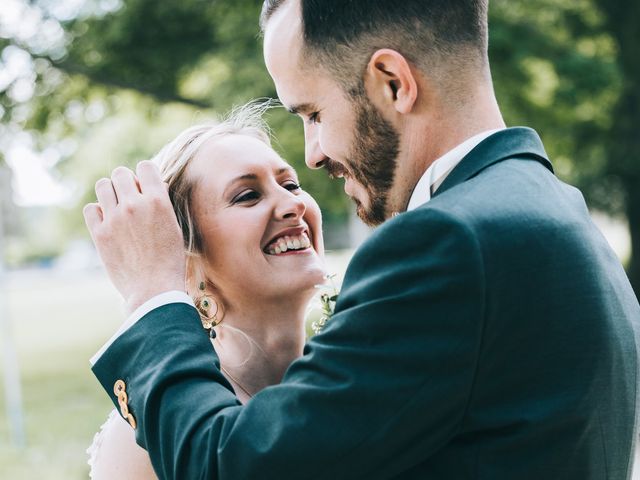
(518, 142)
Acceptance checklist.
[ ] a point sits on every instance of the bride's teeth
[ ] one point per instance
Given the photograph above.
(286, 243)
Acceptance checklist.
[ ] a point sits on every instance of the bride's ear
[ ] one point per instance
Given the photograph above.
(199, 277)
(195, 276)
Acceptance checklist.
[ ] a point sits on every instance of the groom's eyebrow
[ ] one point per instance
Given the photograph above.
(302, 108)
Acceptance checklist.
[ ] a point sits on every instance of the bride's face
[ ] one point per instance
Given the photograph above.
(261, 233)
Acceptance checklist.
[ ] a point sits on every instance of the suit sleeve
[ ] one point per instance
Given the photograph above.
(382, 388)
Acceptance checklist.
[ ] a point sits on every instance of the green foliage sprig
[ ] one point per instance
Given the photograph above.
(328, 301)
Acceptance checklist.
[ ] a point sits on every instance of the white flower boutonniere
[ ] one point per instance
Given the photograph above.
(328, 299)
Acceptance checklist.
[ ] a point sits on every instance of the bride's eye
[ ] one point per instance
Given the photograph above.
(246, 197)
(292, 186)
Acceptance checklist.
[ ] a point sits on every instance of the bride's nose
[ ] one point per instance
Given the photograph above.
(289, 205)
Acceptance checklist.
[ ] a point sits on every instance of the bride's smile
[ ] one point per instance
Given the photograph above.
(291, 241)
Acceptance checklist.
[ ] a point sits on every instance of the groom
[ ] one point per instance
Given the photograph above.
(487, 331)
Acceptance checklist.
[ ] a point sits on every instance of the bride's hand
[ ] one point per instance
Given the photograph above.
(135, 230)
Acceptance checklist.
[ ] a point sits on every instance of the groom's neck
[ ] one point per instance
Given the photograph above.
(458, 119)
(437, 129)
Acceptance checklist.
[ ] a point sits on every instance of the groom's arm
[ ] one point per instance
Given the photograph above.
(381, 389)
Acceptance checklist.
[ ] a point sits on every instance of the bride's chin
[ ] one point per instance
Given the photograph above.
(304, 289)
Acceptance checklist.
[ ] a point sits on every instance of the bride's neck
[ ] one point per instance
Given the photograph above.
(256, 344)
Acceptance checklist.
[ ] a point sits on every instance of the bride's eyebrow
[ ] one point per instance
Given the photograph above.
(283, 170)
(253, 176)
(241, 178)
(247, 176)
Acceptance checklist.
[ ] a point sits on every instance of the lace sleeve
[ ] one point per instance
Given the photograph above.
(115, 454)
(92, 451)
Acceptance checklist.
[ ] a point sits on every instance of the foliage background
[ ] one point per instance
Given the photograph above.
(110, 81)
(91, 84)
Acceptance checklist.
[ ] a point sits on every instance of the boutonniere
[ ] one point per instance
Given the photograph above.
(328, 299)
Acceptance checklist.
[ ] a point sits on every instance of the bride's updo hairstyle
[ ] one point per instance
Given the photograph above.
(175, 157)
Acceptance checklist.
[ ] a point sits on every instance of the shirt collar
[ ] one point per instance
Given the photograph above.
(439, 169)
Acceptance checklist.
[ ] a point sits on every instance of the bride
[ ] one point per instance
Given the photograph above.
(254, 257)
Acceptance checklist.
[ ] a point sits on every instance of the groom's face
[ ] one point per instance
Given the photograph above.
(349, 137)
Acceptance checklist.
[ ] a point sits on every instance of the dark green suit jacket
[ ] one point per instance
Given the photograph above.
(489, 334)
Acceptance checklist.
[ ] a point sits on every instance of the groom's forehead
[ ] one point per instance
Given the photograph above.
(299, 87)
(283, 40)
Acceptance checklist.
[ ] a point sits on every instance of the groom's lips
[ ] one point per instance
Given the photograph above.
(334, 169)
(348, 187)
(337, 170)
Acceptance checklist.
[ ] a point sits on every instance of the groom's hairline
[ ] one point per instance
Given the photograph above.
(269, 7)
(457, 52)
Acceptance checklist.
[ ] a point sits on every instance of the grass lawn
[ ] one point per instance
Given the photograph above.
(58, 321)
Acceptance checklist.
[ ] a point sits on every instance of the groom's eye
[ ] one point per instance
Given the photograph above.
(314, 118)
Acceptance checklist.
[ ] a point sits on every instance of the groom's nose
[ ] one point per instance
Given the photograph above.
(314, 157)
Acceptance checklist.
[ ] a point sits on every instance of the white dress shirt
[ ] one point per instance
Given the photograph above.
(441, 168)
(428, 183)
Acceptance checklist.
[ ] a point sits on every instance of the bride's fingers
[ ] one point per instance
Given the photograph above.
(149, 178)
(92, 216)
(106, 195)
(124, 184)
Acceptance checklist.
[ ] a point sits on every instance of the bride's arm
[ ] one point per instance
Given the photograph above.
(115, 454)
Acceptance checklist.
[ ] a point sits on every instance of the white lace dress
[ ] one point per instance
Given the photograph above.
(115, 454)
(93, 450)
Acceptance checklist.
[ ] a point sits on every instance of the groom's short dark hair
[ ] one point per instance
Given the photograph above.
(343, 34)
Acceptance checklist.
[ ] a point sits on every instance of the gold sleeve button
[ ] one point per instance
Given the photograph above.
(120, 390)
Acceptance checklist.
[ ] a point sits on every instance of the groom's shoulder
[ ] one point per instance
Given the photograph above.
(413, 233)
(512, 197)
(408, 246)
(506, 204)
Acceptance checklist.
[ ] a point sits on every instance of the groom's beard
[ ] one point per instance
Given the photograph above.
(372, 162)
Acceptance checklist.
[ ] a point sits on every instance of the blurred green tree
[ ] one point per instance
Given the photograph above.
(564, 68)
(570, 70)
(142, 59)
(623, 24)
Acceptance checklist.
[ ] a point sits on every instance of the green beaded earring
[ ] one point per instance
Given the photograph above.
(209, 309)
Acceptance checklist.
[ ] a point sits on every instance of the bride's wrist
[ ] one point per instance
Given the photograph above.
(139, 298)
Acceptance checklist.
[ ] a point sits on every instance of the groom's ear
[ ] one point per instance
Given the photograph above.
(391, 80)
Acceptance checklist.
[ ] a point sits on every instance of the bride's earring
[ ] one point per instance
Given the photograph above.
(211, 313)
